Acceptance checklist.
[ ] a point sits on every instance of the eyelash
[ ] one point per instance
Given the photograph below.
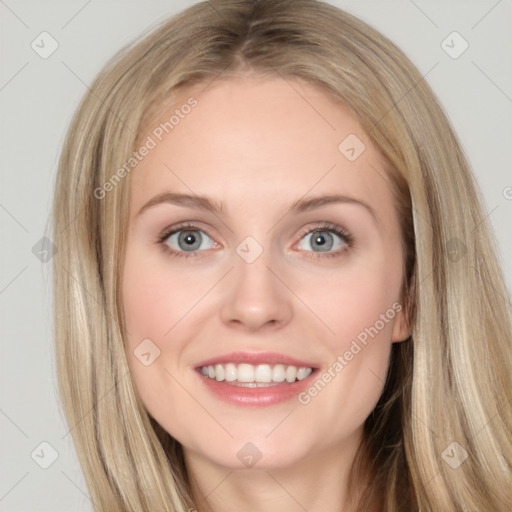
(345, 236)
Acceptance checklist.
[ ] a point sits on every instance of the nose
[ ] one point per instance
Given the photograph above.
(255, 296)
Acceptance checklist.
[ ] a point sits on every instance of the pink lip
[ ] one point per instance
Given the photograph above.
(256, 358)
(256, 397)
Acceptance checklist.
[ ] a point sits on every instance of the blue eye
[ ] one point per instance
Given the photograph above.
(186, 239)
(326, 240)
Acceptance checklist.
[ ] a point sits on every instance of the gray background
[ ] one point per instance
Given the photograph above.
(37, 99)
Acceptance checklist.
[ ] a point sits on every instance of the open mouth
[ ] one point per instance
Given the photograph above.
(260, 375)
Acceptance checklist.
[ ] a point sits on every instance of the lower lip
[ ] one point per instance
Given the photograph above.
(256, 397)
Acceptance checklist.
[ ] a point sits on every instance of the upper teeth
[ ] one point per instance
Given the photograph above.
(255, 373)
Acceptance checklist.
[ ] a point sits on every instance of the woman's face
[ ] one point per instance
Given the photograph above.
(263, 245)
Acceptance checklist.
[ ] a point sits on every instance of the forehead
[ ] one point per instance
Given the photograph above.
(246, 140)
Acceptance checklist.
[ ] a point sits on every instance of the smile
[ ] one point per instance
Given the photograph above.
(250, 375)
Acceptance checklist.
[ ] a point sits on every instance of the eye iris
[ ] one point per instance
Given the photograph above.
(191, 240)
(324, 242)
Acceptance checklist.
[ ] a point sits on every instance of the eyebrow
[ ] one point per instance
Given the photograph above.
(299, 206)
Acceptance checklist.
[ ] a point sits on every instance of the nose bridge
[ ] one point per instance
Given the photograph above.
(253, 264)
(255, 296)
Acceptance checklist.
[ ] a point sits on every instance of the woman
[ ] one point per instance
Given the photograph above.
(284, 292)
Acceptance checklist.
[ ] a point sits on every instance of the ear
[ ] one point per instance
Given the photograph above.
(401, 326)
(402, 322)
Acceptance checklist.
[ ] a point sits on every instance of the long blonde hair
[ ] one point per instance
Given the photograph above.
(448, 394)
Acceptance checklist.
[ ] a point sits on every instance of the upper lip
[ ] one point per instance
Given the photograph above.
(256, 358)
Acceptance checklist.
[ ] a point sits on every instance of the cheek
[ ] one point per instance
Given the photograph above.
(359, 310)
(166, 305)
(156, 301)
(357, 305)
(157, 296)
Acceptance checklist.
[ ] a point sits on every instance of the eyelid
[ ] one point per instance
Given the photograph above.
(338, 230)
(175, 228)
(324, 226)
(182, 226)
(318, 226)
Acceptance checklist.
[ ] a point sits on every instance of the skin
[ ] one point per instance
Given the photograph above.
(258, 145)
